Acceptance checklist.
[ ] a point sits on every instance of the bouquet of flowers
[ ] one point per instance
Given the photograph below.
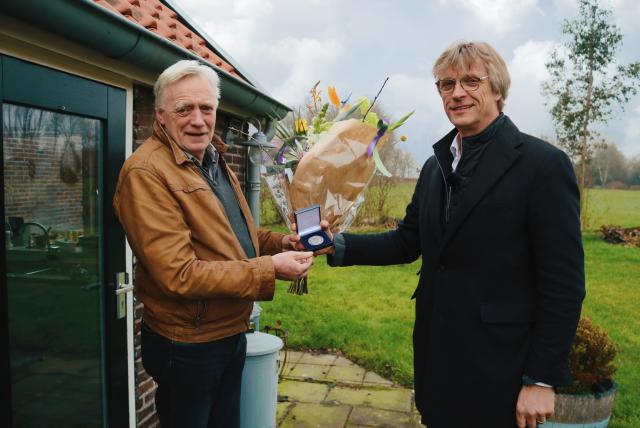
(327, 161)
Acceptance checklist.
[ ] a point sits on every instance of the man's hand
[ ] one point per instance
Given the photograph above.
(293, 239)
(292, 265)
(535, 405)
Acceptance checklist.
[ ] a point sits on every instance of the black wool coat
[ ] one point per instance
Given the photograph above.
(501, 284)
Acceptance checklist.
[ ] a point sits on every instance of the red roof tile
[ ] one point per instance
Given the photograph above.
(160, 19)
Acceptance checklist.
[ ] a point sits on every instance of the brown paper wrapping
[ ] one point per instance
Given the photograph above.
(335, 170)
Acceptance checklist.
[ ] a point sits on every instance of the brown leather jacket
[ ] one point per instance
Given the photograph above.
(192, 275)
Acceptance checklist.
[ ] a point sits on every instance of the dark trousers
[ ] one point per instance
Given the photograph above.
(198, 383)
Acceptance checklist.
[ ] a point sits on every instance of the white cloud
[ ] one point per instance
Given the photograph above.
(232, 24)
(625, 12)
(629, 5)
(565, 7)
(529, 60)
(501, 16)
(301, 63)
(287, 45)
(404, 93)
(525, 103)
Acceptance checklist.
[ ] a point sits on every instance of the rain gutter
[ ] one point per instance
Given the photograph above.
(110, 33)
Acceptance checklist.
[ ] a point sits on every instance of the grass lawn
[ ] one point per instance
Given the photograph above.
(613, 293)
(619, 207)
(399, 198)
(366, 313)
(363, 311)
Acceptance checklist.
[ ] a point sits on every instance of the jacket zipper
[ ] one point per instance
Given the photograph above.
(447, 207)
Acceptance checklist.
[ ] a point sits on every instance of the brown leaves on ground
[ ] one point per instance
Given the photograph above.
(629, 237)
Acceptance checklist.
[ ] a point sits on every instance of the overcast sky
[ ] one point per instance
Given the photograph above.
(288, 45)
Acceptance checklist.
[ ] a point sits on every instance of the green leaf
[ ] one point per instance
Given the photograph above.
(346, 113)
(283, 132)
(400, 122)
(365, 104)
(379, 165)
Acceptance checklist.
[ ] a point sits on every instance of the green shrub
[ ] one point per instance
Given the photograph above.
(591, 359)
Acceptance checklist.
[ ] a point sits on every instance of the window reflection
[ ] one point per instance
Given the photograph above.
(53, 270)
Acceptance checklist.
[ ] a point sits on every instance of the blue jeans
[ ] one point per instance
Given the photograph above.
(198, 383)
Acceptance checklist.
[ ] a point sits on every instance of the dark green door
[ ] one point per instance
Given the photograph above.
(62, 144)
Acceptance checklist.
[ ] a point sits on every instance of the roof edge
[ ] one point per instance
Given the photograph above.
(91, 25)
(188, 21)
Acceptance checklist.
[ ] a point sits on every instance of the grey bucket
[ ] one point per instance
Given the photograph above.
(260, 381)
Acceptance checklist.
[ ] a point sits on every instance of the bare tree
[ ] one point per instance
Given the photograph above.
(609, 164)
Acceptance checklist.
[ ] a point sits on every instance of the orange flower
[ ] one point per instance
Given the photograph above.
(333, 96)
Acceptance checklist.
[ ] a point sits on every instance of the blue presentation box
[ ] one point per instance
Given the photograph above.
(311, 234)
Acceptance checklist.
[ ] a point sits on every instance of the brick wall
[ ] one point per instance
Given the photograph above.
(50, 169)
(236, 158)
(34, 189)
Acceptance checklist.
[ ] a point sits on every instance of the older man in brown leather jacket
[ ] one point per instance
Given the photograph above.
(201, 263)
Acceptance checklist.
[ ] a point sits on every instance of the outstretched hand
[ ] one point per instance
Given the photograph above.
(292, 265)
(293, 240)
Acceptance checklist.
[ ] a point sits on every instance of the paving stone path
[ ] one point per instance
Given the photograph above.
(330, 391)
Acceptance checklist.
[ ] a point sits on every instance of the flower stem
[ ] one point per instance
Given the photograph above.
(376, 97)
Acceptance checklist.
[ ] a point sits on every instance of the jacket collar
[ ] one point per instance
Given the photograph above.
(442, 151)
(160, 134)
(501, 153)
(504, 135)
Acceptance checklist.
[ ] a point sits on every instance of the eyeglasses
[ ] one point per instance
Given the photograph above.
(469, 83)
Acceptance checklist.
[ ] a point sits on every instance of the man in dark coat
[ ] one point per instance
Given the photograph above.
(495, 217)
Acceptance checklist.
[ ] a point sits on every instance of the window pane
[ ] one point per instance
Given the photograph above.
(53, 270)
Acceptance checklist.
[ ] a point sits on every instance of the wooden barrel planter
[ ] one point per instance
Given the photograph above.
(582, 411)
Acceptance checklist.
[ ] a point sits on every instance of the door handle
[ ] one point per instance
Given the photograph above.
(122, 288)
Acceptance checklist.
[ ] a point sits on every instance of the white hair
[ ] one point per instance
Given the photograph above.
(182, 69)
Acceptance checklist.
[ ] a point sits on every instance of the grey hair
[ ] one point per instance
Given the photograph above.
(182, 69)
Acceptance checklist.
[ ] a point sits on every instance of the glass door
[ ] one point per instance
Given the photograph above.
(62, 144)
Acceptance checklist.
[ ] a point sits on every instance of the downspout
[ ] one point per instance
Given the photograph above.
(270, 129)
(256, 143)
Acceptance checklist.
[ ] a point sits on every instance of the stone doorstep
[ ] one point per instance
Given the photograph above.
(367, 416)
(326, 415)
(315, 415)
(308, 392)
(398, 400)
(292, 356)
(371, 378)
(343, 362)
(370, 406)
(352, 374)
(319, 359)
(307, 371)
(341, 368)
(282, 410)
(324, 390)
